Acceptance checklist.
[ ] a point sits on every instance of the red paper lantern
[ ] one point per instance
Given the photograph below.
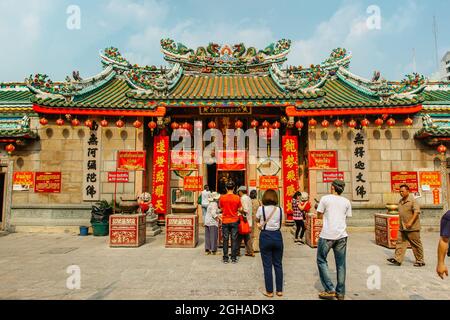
(174, 125)
(338, 123)
(312, 123)
(43, 121)
(408, 122)
(152, 125)
(379, 123)
(352, 124)
(75, 122)
(266, 124)
(212, 125)
(254, 124)
(88, 123)
(137, 124)
(238, 124)
(442, 149)
(60, 122)
(120, 124)
(365, 123)
(325, 123)
(390, 122)
(10, 148)
(299, 125)
(104, 123)
(276, 125)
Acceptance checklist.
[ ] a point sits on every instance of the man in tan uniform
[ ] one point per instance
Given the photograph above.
(409, 211)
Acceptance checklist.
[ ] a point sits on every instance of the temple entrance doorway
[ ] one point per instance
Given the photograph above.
(238, 177)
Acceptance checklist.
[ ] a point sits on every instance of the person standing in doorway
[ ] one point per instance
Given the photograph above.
(230, 205)
(409, 231)
(246, 203)
(255, 231)
(269, 217)
(334, 210)
(204, 201)
(443, 246)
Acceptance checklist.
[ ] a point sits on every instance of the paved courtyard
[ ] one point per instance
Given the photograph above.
(33, 266)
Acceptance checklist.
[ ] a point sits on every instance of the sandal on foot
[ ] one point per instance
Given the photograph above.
(419, 264)
(268, 294)
(327, 295)
(280, 294)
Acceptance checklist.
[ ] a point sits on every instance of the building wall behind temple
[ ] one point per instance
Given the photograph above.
(61, 149)
(389, 150)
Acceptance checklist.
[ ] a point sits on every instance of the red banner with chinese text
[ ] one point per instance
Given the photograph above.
(268, 182)
(231, 160)
(318, 160)
(131, 160)
(184, 160)
(404, 177)
(47, 182)
(160, 174)
(193, 183)
(290, 172)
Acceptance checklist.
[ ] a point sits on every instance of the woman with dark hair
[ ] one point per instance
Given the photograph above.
(300, 207)
(269, 217)
(255, 231)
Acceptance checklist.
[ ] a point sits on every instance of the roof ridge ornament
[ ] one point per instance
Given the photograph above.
(225, 59)
(112, 56)
(42, 84)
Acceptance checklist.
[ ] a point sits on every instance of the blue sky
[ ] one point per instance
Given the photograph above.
(34, 37)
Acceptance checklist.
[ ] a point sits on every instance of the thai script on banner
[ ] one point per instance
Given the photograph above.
(131, 160)
(404, 177)
(268, 182)
(48, 182)
(322, 159)
(193, 183)
(23, 181)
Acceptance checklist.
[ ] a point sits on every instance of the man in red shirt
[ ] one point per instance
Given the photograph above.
(230, 205)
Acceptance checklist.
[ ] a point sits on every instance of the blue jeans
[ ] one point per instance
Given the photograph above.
(339, 249)
(271, 248)
(227, 230)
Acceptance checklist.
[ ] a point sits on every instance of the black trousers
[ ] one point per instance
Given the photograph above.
(300, 226)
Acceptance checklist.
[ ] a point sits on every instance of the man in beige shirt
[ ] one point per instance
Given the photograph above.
(409, 212)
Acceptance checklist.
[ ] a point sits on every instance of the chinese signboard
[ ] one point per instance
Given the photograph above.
(119, 177)
(268, 182)
(436, 198)
(360, 163)
(91, 165)
(319, 160)
(131, 160)
(160, 174)
(47, 182)
(193, 183)
(226, 110)
(23, 181)
(290, 172)
(231, 160)
(430, 178)
(332, 175)
(404, 177)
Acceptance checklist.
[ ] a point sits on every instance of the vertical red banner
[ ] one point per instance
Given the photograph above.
(160, 174)
(290, 172)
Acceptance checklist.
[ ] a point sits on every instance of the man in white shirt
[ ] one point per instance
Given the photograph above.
(246, 203)
(205, 202)
(333, 209)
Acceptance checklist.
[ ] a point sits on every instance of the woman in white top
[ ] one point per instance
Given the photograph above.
(269, 217)
(212, 224)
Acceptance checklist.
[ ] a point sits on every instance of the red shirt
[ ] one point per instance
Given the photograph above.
(230, 203)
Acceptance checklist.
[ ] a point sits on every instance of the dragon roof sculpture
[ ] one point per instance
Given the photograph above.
(225, 59)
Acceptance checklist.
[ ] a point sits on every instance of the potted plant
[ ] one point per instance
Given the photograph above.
(100, 218)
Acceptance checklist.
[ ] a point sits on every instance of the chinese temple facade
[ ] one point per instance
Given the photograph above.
(66, 145)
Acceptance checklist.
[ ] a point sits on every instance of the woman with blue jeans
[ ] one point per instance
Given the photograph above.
(269, 217)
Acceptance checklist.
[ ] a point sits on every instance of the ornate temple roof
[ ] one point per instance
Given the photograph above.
(226, 75)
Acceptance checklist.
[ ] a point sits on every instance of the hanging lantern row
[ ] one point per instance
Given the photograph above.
(352, 124)
(89, 123)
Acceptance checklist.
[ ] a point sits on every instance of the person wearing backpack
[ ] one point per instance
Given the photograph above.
(269, 217)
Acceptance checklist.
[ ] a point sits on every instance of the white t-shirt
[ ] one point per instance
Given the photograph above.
(335, 210)
(205, 195)
(246, 203)
(274, 222)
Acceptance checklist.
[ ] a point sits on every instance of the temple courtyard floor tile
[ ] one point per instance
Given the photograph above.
(40, 266)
